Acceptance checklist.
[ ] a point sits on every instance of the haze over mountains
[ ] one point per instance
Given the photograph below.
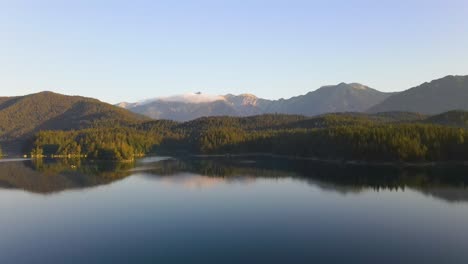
(343, 97)
(441, 95)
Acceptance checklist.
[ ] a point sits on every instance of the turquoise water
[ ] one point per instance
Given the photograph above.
(243, 210)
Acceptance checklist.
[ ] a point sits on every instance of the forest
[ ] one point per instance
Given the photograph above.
(395, 137)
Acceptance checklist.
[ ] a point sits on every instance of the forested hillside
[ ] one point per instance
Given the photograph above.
(22, 117)
(452, 118)
(382, 137)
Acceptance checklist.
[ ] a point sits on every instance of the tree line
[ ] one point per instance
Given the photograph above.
(337, 137)
(95, 143)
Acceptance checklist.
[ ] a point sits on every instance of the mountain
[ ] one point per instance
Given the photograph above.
(247, 104)
(192, 106)
(334, 98)
(441, 95)
(182, 111)
(22, 116)
(343, 97)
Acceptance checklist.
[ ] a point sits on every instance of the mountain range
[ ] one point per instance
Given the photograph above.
(22, 117)
(343, 97)
(437, 96)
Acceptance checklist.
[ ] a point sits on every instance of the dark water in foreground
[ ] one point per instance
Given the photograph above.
(230, 211)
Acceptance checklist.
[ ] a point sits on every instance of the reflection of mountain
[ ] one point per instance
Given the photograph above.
(58, 175)
(196, 181)
(443, 183)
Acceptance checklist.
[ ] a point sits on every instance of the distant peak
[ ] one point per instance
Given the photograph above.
(44, 93)
(456, 77)
(248, 95)
(242, 99)
(358, 86)
(242, 94)
(197, 97)
(123, 104)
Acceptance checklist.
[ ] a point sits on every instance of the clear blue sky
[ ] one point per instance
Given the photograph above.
(131, 50)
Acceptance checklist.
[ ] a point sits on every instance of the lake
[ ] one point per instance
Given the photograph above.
(230, 210)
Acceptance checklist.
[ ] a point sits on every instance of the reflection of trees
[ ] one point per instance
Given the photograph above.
(448, 183)
(48, 176)
(215, 167)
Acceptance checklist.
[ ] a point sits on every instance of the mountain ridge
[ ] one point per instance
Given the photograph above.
(22, 116)
(353, 97)
(434, 97)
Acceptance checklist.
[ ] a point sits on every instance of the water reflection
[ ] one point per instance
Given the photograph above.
(215, 210)
(447, 183)
(49, 176)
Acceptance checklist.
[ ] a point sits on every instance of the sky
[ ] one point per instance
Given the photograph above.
(132, 50)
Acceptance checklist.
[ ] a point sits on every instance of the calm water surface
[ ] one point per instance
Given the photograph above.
(253, 210)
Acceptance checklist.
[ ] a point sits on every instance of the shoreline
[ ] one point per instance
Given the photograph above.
(339, 162)
(400, 164)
